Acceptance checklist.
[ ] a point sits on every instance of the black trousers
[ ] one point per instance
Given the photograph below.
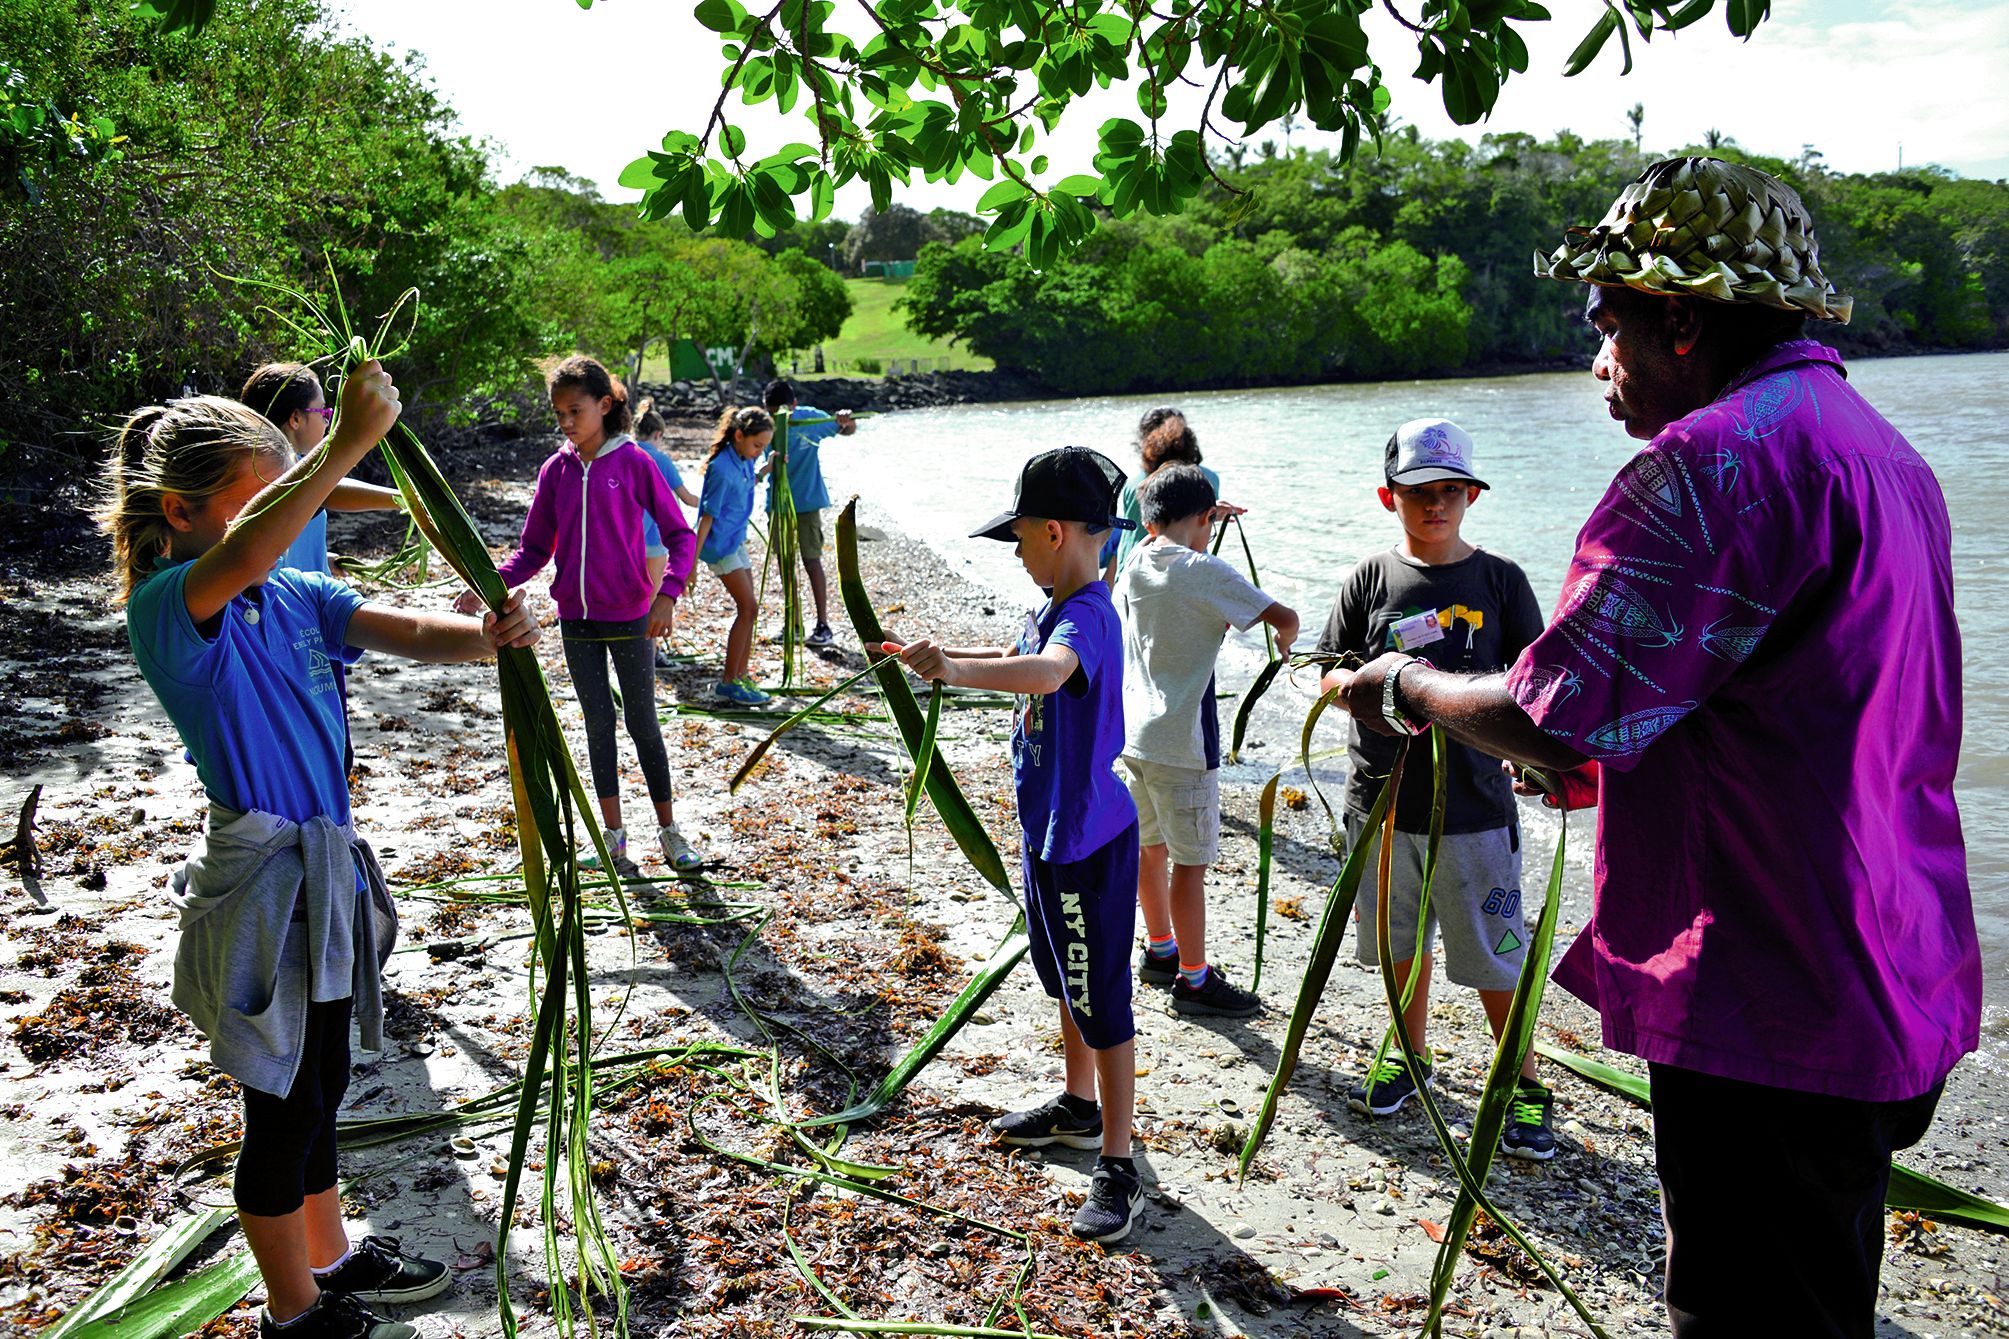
(289, 1142)
(589, 645)
(1735, 1156)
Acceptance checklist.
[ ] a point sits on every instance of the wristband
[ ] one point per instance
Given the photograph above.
(1390, 712)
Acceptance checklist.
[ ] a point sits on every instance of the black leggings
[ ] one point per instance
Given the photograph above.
(289, 1142)
(589, 645)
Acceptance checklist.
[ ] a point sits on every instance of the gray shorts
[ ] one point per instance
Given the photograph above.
(1178, 808)
(735, 561)
(1476, 898)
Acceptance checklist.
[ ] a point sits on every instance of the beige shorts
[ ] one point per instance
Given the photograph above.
(1178, 808)
(809, 534)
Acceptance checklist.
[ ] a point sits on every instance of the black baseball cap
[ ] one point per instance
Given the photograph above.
(1070, 484)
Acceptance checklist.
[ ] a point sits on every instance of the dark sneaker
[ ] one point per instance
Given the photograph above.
(1111, 1206)
(1050, 1124)
(822, 637)
(1386, 1087)
(334, 1316)
(1156, 970)
(663, 660)
(377, 1272)
(1531, 1130)
(1216, 996)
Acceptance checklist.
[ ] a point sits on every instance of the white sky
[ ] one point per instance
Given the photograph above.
(591, 90)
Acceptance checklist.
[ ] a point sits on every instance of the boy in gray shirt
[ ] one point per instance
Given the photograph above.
(1441, 599)
(1177, 602)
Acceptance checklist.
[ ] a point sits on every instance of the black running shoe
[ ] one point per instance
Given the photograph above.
(1386, 1087)
(377, 1272)
(1050, 1124)
(1216, 996)
(1531, 1130)
(1155, 969)
(334, 1316)
(1111, 1206)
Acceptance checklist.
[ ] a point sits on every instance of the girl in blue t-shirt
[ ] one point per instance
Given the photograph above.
(649, 429)
(725, 506)
(203, 499)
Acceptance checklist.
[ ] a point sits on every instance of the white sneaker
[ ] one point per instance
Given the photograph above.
(677, 851)
(617, 845)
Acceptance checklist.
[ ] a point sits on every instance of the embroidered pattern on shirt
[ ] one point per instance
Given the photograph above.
(1631, 734)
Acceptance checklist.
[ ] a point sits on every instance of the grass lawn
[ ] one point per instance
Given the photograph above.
(873, 331)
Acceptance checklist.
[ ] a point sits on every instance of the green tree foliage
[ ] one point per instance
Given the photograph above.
(945, 87)
(822, 302)
(1417, 260)
(254, 150)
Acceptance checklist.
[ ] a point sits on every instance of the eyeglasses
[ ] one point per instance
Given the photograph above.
(326, 411)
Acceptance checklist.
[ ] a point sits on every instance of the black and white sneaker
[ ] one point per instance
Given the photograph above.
(1215, 996)
(376, 1271)
(1155, 969)
(1111, 1207)
(1058, 1122)
(334, 1316)
(1531, 1132)
(1386, 1087)
(821, 637)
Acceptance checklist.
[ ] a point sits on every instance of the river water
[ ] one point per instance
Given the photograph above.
(1305, 462)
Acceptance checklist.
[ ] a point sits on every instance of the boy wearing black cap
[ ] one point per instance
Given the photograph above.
(1453, 605)
(1080, 825)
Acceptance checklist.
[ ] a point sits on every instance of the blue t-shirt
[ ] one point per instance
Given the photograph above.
(805, 470)
(652, 535)
(1064, 745)
(254, 698)
(727, 497)
(309, 553)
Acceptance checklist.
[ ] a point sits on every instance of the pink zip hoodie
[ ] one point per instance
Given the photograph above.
(587, 514)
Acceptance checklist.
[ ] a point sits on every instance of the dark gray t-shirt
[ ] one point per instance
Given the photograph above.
(1487, 614)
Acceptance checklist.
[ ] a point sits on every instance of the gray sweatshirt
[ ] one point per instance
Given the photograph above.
(245, 968)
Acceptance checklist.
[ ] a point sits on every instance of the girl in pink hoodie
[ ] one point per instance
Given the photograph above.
(586, 517)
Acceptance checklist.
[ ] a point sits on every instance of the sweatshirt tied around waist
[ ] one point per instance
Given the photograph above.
(248, 963)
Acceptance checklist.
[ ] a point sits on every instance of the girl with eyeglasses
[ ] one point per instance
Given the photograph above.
(725, 507)
(290, 395)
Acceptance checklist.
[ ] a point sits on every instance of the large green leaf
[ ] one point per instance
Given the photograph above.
(179, 1307)
(962, 822)
(168, 1249)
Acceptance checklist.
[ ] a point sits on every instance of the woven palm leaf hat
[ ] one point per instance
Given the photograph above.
(1701, 227)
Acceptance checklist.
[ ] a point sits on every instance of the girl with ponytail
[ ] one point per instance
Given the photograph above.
(285, 919)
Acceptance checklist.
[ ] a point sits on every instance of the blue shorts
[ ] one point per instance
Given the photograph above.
(1081, 917)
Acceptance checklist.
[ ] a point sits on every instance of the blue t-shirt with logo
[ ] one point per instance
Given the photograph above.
(805, 469)
(253, 696)
(1064, 745)
(727, 497)
(652, 536)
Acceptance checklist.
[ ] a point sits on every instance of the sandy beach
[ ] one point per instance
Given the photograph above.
(106, 1090)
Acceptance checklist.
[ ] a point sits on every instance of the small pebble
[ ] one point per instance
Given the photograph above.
(1241, 1231)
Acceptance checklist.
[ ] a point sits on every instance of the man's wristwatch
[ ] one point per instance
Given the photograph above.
(1393, 714)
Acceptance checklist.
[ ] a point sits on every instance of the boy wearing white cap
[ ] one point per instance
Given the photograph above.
(1438, 598)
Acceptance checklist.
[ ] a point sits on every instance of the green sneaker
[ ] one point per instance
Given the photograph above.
(1386, 1087)
(1531, 1133)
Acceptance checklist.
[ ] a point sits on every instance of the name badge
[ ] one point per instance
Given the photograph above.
(1417, 630)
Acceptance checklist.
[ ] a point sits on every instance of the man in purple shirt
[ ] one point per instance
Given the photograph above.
(1756, 642)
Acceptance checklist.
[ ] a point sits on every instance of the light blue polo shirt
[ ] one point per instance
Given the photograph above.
(727, 497)
(309, 553)
(652, 535)
(805, 470)
(254, 699)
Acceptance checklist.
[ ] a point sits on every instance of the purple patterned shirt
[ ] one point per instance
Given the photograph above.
(1757, 643)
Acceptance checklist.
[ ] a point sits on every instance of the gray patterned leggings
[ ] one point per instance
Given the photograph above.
(589, 644)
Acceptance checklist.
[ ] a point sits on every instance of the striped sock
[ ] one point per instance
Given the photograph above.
(1193, 974)
(1167, 947)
